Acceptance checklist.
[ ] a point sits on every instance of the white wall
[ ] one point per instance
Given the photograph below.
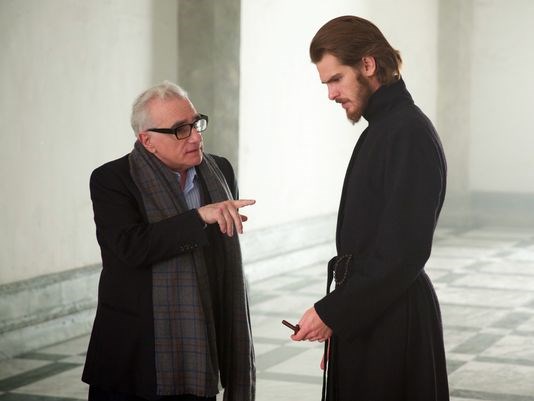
(502, 97)
(295, 143)
(410, 26)
(69, 72)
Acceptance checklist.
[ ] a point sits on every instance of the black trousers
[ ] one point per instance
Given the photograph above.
(97, 394)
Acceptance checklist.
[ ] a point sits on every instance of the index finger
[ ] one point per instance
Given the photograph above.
(243, 202)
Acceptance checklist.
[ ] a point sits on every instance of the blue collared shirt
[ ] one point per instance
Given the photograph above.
(191, 189)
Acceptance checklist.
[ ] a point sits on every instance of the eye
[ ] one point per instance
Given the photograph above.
(182, 130)
(336, 78)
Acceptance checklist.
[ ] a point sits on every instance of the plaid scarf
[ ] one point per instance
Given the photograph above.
(188, 354)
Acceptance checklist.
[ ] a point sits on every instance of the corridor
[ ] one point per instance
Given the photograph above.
(485, 283)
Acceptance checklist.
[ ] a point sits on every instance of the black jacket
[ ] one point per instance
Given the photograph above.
(120, 356)
(388, 340)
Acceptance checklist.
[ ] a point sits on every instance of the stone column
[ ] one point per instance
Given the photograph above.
(208, 68)
(455, 20)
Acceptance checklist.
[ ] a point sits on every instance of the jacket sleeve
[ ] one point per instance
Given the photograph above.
(413, 183)
(122, 229)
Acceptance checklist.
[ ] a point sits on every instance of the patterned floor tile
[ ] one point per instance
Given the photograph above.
(274, 387)
(308, 363)
(66, 383)
(527, 325)
(485, 283)
(457, 315)
(512, 267)
(512, 347)
(451, 262)
(498, 281)
(493, 298)
(14, 367)
(494, 378)
(50, 370)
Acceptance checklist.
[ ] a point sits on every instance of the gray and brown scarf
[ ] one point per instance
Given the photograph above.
(187, 357)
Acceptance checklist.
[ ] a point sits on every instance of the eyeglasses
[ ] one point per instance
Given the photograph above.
(184, 131)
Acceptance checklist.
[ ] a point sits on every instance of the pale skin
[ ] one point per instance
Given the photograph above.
(180, 155)
(351, 87)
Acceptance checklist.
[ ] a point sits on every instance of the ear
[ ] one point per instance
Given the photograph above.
(145, 139)
(368, 66)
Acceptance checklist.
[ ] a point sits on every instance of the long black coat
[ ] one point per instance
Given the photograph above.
(120, 356)
(388, 339)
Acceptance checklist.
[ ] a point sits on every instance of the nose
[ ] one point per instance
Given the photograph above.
(333, 92)
(196, 136)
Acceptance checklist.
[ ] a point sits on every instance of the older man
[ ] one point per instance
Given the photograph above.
(172, 317)
(382, 319)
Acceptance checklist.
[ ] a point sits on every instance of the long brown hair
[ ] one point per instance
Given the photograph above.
(351, 38)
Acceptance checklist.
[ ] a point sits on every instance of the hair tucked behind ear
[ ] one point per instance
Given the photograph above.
(351, 38)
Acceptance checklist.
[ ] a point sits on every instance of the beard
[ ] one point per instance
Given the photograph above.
(362, 94)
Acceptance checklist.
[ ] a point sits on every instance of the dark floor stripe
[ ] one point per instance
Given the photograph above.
(477, 344)
(276, 356)
(29, 397)
(512, 320)
(449, 278)
(462, 328)
(508, 361)
(301, 284)
(482, 395)
(31, 376)
(41, 356)
(453, 365)
(524, 333)
(258, 298)
(291, 377)
(269, 340)
(282, 315)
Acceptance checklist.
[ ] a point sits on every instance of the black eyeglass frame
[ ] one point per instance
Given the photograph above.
(174, 131)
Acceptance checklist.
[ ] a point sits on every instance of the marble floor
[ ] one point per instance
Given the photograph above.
(485, 283)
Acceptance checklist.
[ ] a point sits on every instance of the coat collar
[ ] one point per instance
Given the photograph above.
(385, 98)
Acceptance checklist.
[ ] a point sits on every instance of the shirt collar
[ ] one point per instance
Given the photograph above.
(190, 179)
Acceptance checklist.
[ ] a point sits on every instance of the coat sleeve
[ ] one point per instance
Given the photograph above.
(413, 184)
(122, 230)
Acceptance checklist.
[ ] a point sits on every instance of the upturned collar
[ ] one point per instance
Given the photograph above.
(385, 98)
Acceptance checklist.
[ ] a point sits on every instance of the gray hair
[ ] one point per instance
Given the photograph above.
(140, 118)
